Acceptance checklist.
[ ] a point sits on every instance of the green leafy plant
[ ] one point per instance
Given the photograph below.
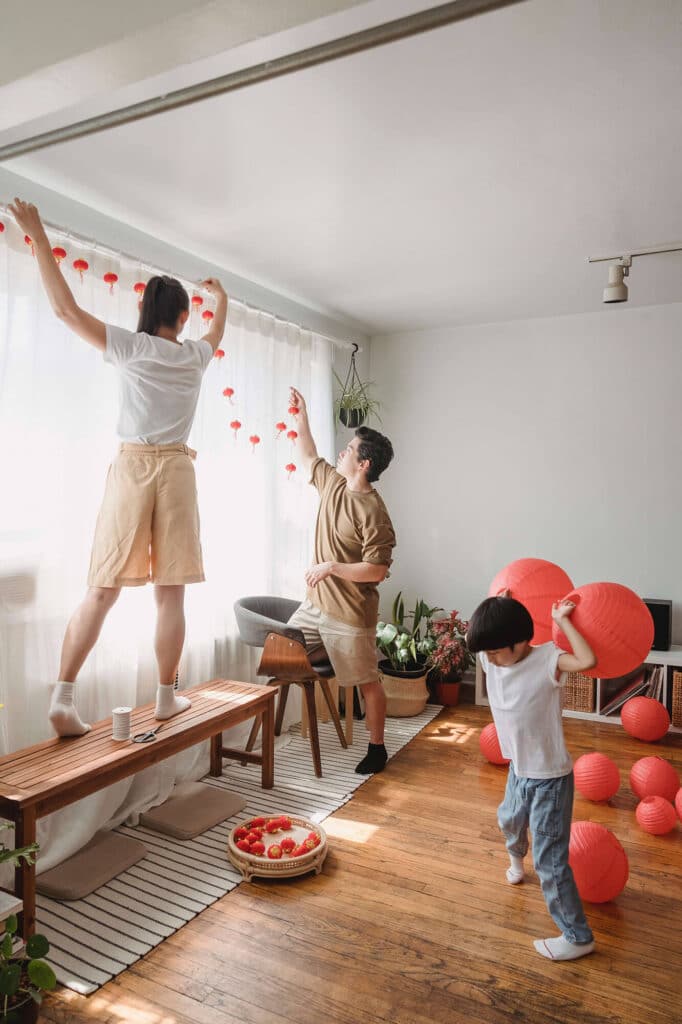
(407, 647)
(450, 657)
(15, 857)
(24, 976)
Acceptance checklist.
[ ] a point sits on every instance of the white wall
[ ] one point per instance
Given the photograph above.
(556, 438)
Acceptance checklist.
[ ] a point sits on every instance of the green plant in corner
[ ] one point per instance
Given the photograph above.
(407, 648)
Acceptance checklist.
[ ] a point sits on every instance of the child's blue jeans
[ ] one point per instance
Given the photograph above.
(545, 806)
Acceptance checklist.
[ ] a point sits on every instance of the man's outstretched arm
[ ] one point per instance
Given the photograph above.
(307, 450)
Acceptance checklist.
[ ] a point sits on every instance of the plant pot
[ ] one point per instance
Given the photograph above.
(405, 690)
(352, 418)
(446, 694)
(25, 1013)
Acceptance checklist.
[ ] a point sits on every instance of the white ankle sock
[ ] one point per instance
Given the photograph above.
(515, 873)
(169, 703)
(561, 949)
(63, 716)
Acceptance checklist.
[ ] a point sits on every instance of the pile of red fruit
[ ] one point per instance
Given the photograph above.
(249, 838)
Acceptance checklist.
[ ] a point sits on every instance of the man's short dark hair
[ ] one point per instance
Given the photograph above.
(376, 448)
(499, 622)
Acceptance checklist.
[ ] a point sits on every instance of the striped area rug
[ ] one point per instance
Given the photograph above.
(94, 939)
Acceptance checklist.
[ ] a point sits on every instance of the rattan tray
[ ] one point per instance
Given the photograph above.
(288, 867)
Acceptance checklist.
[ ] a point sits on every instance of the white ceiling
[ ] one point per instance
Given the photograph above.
(461, 176)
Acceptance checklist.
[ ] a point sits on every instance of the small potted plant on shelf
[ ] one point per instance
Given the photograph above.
(24, 975)
(450, 658)
(406, 650)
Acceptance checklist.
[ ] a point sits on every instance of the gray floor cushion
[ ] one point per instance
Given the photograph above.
(105, 856)
(192, 809)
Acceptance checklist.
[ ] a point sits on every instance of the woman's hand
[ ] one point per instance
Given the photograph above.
(28, 218)
(213, 287)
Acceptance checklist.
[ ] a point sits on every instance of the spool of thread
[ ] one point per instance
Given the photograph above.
(120, 718)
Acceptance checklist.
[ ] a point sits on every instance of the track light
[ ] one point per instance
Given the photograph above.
(617, 290)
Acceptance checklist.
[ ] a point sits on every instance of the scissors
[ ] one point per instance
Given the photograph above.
(146, 737)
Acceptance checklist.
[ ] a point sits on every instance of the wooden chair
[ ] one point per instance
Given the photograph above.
(263, 622)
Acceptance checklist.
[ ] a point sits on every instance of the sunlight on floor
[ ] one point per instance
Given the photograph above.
(128, 1010)
(454, 733)
(344, 828)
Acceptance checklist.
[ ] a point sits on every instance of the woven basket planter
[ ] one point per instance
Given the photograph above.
(406, 693)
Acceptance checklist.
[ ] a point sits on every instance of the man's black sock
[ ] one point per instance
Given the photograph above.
(374, 761)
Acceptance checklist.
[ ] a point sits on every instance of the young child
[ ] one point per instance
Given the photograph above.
(523, 685)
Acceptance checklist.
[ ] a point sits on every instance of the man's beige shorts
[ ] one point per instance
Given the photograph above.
(352, 650)
(148, 525)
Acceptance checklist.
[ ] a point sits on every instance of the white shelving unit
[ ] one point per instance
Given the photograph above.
(671, 659)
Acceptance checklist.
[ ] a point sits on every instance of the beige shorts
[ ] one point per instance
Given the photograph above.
(148, 525)
(352, 650)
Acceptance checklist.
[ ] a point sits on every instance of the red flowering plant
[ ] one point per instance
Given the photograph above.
(450, 658)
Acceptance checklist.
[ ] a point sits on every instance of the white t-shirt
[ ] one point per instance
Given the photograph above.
(525, 700)
(159, 384)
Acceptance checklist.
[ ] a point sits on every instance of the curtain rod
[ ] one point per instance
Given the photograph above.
(344, 46)
(120, 256)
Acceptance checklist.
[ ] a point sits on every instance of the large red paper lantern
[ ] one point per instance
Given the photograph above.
(537, 584)
(645, 718)
(656, 815)
(653, 776)
(598, 861)
(616, 624)
(490, 745)
(678, 803)
(596, 776)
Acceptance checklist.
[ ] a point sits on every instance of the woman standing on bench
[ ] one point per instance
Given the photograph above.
(148, 525)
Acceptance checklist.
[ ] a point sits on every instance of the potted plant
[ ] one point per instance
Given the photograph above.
(406, 650)
(24, 975)
(450, 658)
(355, 403)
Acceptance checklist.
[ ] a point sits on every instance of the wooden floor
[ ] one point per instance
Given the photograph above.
(412, 920)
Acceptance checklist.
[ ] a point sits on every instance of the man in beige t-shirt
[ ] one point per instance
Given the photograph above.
(354, 541)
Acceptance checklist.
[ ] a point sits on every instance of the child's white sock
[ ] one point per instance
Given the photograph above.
(561, 949)
(63, 716)
(169, 703)
(515, 873)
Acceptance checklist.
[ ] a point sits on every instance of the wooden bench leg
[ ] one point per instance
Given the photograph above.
(217, 755)
(253, 735)
(25, 874)
(309, 691)
(268, 745)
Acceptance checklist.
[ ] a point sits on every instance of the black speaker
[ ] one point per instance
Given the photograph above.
(662, 614)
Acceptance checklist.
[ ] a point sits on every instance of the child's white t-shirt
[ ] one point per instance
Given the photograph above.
(525, 700)
(159, 384)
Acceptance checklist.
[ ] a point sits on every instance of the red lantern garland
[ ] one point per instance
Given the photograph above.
(110, 278)
(280, 428)
(235, 425)
(219, 353)
(59, 253)
(228, 392)
(292, 435)
(81, 266)
(139, 288)
(290, 468)
(254, 439)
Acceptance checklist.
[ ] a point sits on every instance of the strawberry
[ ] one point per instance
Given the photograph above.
(241, 832)
(254, 835)
(288, 844)
(299, 851)
(273, 825)
(258, 848)
(243, 845)
(255, 823)
(309, 844)
(274, 851)
(285, 822)
(314, 839)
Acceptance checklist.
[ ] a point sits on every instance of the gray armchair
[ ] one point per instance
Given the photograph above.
(263, 622)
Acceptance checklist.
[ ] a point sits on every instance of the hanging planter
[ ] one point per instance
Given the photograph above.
(355, 403)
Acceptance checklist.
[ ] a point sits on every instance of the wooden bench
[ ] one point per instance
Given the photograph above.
(41, 779)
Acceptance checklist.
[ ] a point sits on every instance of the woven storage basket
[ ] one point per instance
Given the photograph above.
(577, 693)
(676, 716)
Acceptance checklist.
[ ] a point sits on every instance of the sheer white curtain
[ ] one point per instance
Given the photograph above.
(57, 418)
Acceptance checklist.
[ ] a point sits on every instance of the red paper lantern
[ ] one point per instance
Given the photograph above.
(292, 435)
(207, 315)
(2, 226)
(290, 468)
(598, 861)
(81, 266)
(139, 288)
(616, 624)
(219, 354)
(228, 392)
(110, 278)
(59, 253)
(596, 777)
(294, 410)
(653, 776)
(678, 803)
(197, 301)
(490, 745)
(235, 425)
(656, 815)
(29, 241)
(254, 440)
(280, 427)
(645, 718)
(537, 584)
